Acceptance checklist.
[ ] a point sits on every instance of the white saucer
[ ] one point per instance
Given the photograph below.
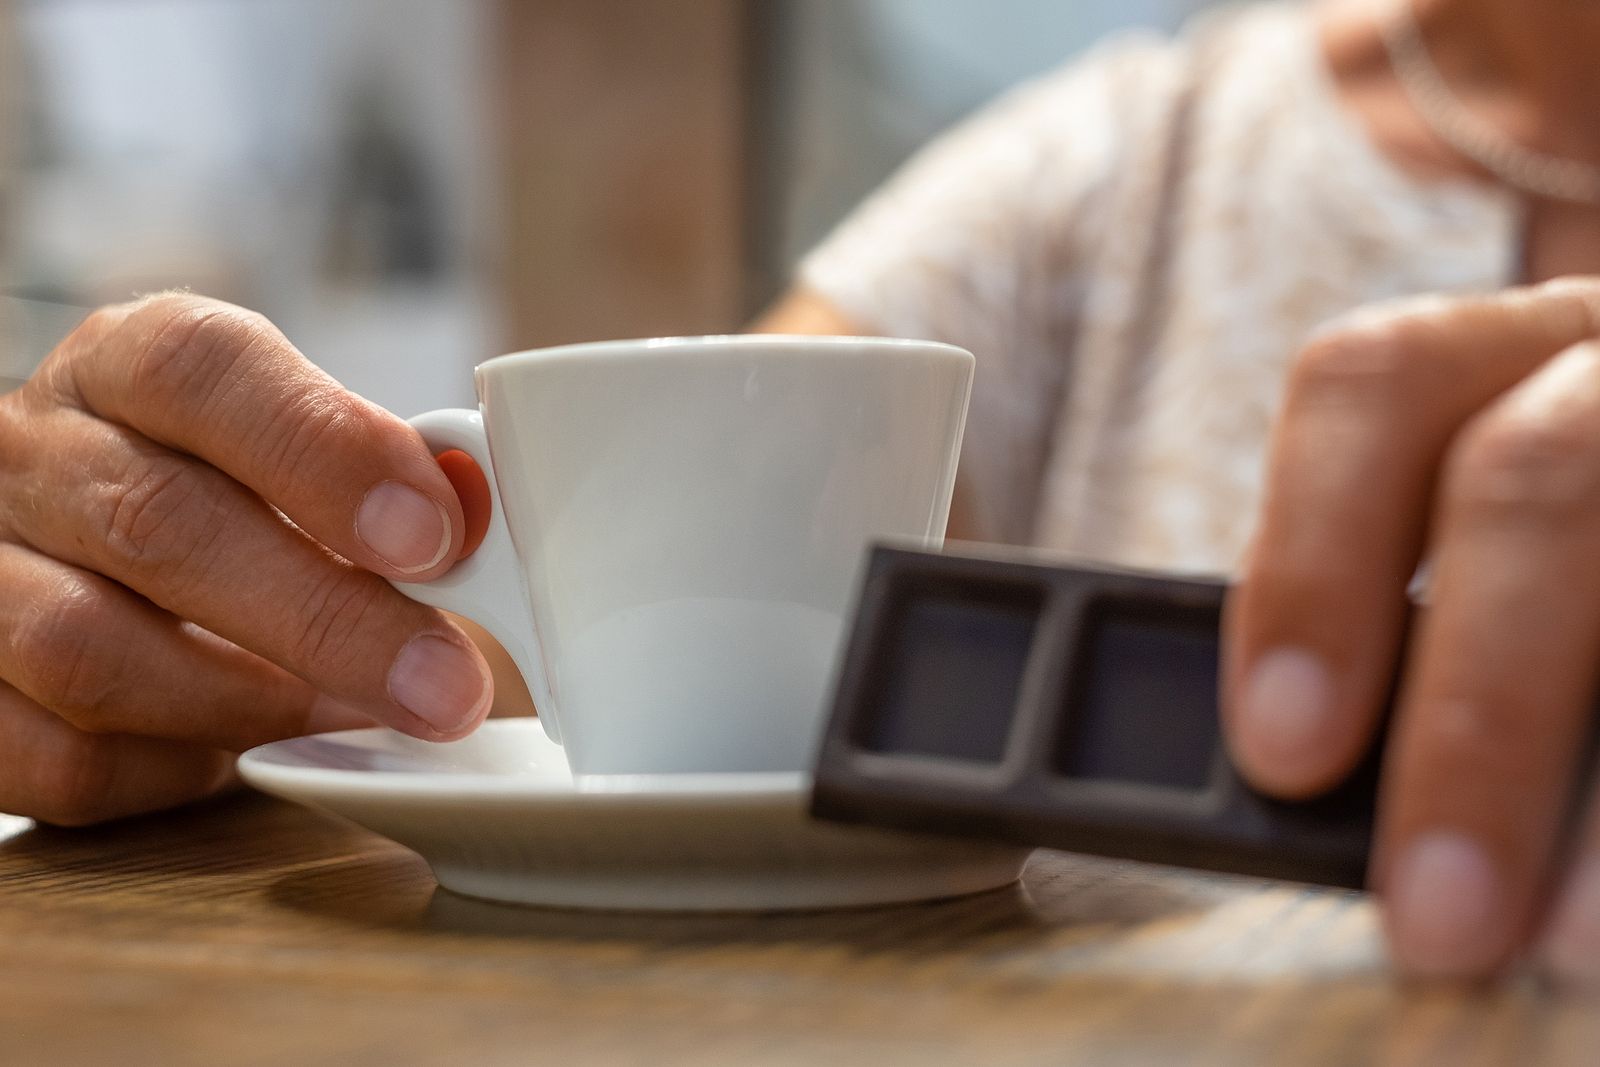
(500, 816)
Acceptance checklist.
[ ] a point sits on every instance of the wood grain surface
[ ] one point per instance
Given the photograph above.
(252, 932)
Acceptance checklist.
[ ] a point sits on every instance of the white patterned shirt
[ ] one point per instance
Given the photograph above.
(1134, 248)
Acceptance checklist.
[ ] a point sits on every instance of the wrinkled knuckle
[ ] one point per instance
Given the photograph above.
(1525, 468)
(1378, 362)
(188, 348)
(155, 515)
(318, 422)
(62, 655)
(333, 620)
(98, 323)
(74, 787)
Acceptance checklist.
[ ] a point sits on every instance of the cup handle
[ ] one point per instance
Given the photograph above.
(486, 587)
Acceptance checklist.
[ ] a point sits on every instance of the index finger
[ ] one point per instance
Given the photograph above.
(1314, 625)
(224, 385)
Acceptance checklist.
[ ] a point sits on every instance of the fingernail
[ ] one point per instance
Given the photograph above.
(440, 683)
(1444, 907)
(406, 529)
(1571, 947)
(1283, 713)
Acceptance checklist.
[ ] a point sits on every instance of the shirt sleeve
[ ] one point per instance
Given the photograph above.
(983, 240)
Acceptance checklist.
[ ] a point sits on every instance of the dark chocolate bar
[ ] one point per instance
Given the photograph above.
(1066, 707)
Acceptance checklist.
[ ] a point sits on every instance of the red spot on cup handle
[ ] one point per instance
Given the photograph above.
(472, 489)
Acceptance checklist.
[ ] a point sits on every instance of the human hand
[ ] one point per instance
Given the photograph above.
(195, 528)
(1467, 432)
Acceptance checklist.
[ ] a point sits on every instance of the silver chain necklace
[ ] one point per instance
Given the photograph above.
(1524, 169)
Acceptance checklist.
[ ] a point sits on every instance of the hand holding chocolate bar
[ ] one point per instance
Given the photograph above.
(1464, 433)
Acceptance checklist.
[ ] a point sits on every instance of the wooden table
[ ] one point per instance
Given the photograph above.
(252, 932)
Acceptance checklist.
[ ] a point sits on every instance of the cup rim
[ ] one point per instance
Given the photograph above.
(715, 342)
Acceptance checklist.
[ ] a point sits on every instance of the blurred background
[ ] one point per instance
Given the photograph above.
(410, 186)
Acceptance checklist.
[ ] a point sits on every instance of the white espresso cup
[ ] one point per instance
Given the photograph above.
(679, 524)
